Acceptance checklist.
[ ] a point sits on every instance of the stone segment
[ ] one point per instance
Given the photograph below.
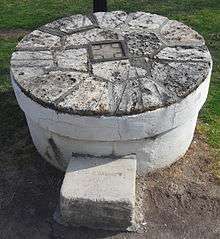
(75, 59)
(177, 33)
(70, 24)
(89, 95)
(112, 70)
(93, 35)
(99, 192)
(110, 20)
(26, 74)
(142, 44)
(180, 78)
(61, 83)
(184, 54)
(146, 21)
(39, 40)
(32, 59)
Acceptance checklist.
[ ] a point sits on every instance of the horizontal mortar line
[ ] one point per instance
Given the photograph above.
(185, 45)
(124, 140)
(57, 68)
(71, 69)
(98, 78)
(75, 47)
(179, 61)
(28, 66)
(36, 48)
(51, 31)
(33, 59)
(81, 29)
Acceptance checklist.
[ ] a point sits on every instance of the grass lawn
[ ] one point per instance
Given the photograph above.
(18, 15)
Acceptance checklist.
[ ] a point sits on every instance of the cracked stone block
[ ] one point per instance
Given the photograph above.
(52, 86)
(142, 44)
(99, 192)
(180, 78)
(146, 21)
(39, 40)
(93, 35)
(112, 70)
(26, 74)
(70, 24)
(73, 59)
(32, 59)
(110, 20)
(175, 33)
(89, 95)
(185, 54)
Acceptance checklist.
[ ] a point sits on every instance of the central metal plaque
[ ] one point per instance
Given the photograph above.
(107, 51)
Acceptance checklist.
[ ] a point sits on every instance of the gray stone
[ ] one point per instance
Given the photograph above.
(92, 35)
(32, 59)
(185, 54)
(75, 59)
(99, 192)
(177, 33)
(39, 40)
(90, 95)
(129, 63)
(146, 21)
(110, 20)
(60, 84)
(70, 24)
(142, 44)
(180, 78)
(112, 70)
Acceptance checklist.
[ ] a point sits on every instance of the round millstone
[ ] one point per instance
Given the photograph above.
(110, 63)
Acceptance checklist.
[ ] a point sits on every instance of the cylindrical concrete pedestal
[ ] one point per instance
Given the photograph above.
(108, 96)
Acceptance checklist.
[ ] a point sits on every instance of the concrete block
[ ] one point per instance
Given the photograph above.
(99, 192)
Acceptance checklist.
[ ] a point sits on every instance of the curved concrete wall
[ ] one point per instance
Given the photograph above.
(158, 137)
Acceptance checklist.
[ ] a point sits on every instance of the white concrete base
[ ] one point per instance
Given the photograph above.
(99, 192)
(158, 138)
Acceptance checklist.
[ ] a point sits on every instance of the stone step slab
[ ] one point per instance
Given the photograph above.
(99, 192)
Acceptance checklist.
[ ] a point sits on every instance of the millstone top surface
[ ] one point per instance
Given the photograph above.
(110, 63)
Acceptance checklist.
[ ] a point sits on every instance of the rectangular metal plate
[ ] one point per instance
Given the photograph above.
(107, 51)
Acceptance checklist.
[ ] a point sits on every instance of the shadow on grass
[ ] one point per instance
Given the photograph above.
(29, 186)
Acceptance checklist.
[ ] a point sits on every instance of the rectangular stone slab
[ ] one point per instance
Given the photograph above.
(99, 192)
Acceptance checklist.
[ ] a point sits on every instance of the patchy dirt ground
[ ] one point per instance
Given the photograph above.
(12, 33)
(180, 202)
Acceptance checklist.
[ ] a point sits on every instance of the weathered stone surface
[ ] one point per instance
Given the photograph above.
(99, 192)
(129, 63)
(185, 54)
(70, 24)
(32, 59)
(146, 21)
(61, 83)
(112, 70)
(39, 40)
(142, 44)
(92, 35)
(110, 20)
(90, 95)
(180, 78)
(75, 59)
(177, 33)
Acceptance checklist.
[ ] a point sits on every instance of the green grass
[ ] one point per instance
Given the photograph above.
(202, 15)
